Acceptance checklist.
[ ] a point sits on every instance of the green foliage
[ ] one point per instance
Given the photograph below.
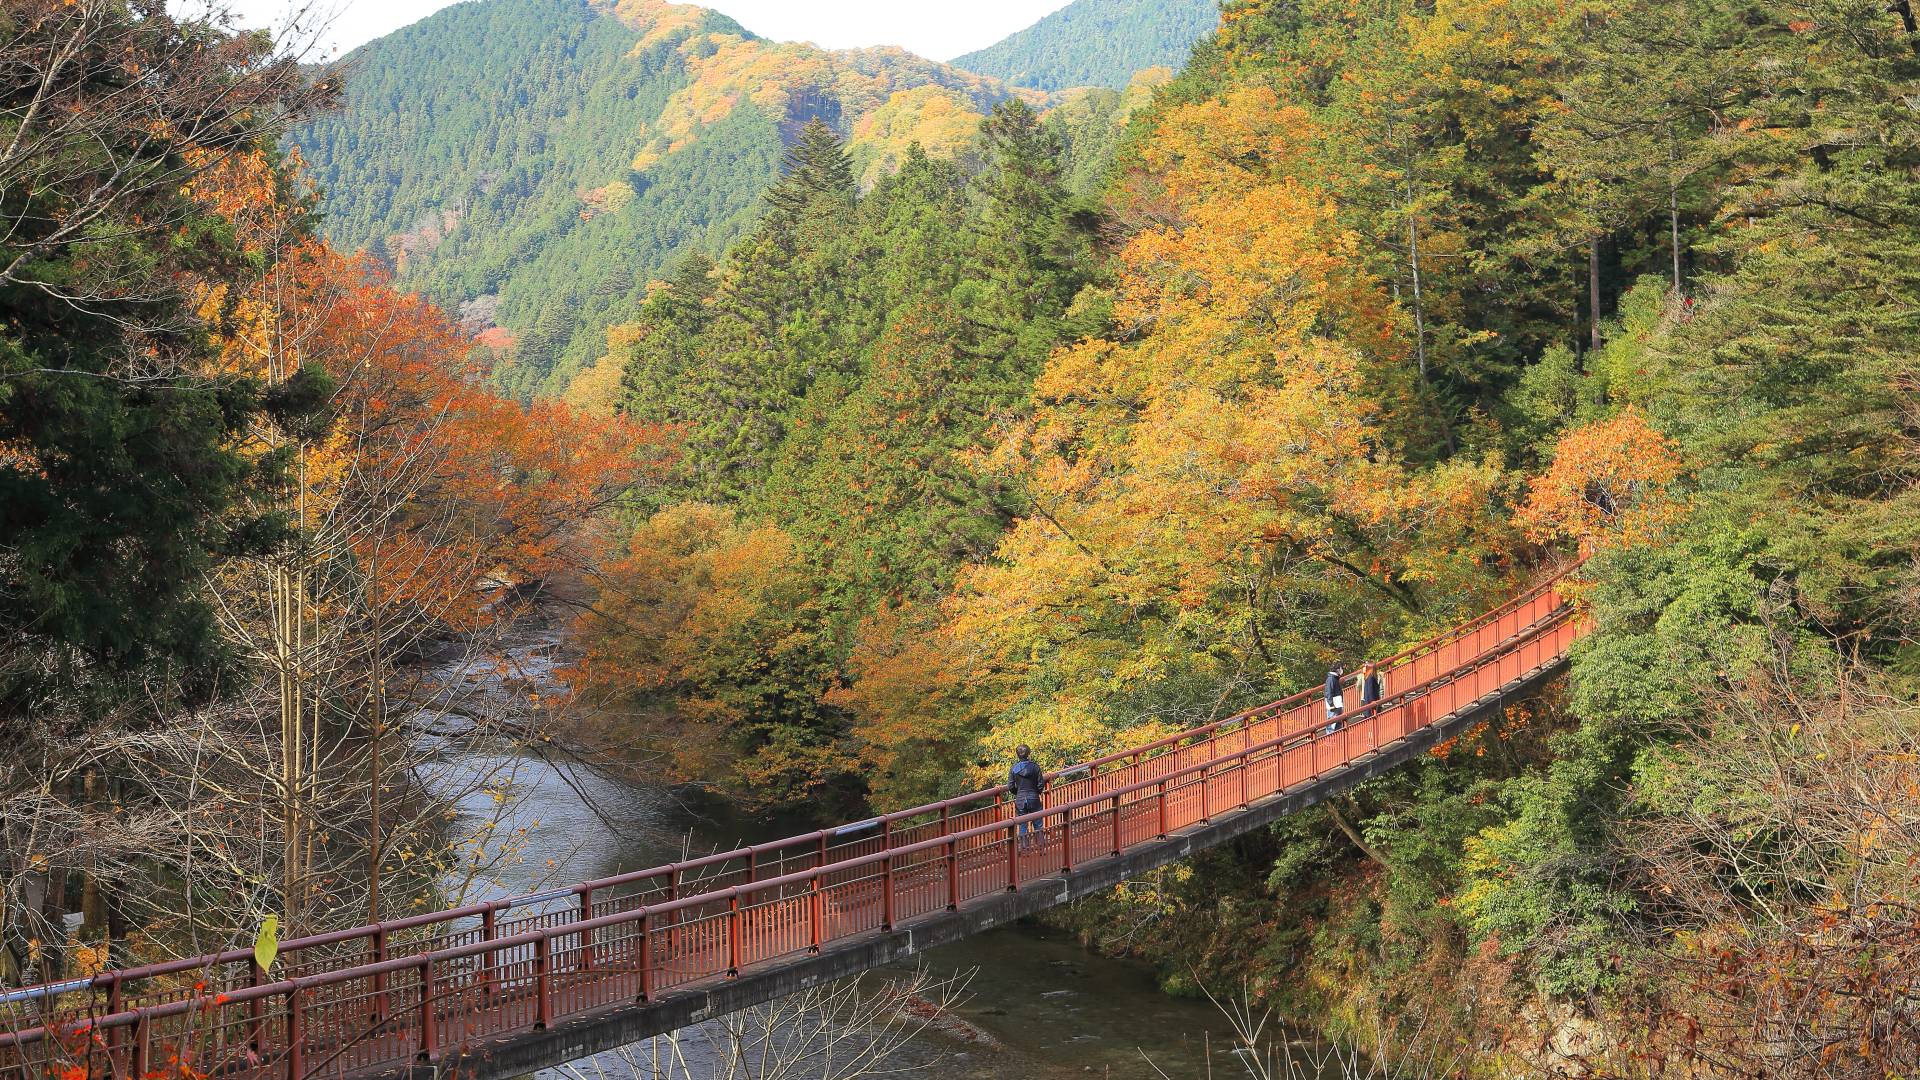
(835, 377)
(1780, 385)
(1097, 43)
(1756, 297)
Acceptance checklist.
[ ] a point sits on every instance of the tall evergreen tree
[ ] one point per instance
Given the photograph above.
(774, 329)
(1027, 252)
(815, 175)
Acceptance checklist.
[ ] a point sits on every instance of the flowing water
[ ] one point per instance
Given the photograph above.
(1037, 1006)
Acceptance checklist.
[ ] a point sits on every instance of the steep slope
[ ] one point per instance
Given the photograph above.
(1090, 121)
(1097, 43)
(536, 162)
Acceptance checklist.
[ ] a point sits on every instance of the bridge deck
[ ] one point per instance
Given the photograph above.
(509, 987)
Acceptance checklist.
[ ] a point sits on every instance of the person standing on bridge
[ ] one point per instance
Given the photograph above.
(1369, 683)
(1025, 782)
(1336, 700)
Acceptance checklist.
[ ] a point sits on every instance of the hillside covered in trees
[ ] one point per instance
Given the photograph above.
(534, 163)
(1381, 309)
(1097, 43)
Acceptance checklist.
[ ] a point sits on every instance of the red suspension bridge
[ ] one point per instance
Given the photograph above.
(503, 988)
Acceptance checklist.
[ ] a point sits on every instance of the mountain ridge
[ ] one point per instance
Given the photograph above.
(1130, 36)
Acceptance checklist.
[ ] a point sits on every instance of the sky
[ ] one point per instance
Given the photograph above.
(936, 29)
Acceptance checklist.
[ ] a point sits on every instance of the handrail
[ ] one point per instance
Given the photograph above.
(1388, 663)
(814, 875)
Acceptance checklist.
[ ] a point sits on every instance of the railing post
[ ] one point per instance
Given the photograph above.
(1066, 842)
(646, 957)
(816, 914)
(429, 1029)
(586, 932)
(137, 1056)
(1013, 855)
(1161, 798)
(886, 890)
(673, 917)
(382, 1007)
(257, 1009)
(1116, 824)
(486, 958)
(953, 875)
(542, 981)
(296, 1037)
(1246, 765)
(734, 924)
(113, 1007)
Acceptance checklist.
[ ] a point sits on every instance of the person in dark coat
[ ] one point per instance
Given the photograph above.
(1025, 782)
(1336, 700)
(1369, 683)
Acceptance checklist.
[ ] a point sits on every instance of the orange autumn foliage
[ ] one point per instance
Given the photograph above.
(1611, 482)
(1231, 441)
(432, 483)
(490, 487)
(716, 626)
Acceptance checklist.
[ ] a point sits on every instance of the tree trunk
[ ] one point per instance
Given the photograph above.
(53, 917)
(1419, 307)
(115, 898)
(377, 725)
(1673, 218)
(1593, 290)
(13, 953)
(1905, 10)
(1333, 811)
(93, 912)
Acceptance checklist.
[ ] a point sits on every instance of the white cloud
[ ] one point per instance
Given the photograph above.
(940, 31)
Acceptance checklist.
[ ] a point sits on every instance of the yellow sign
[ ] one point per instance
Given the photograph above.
(267, 945)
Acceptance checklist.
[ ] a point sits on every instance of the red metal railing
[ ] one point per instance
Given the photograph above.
(408, 989)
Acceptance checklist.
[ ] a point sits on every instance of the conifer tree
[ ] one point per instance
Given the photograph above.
(659, 347)
(815, 175)
(1026, 252)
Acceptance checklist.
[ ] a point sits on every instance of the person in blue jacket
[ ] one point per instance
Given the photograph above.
(1025, 782)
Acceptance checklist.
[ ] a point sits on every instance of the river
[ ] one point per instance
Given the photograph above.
(1038, 1004)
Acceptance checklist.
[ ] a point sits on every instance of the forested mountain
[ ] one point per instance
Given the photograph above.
(536, 162)
(1097, 43)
